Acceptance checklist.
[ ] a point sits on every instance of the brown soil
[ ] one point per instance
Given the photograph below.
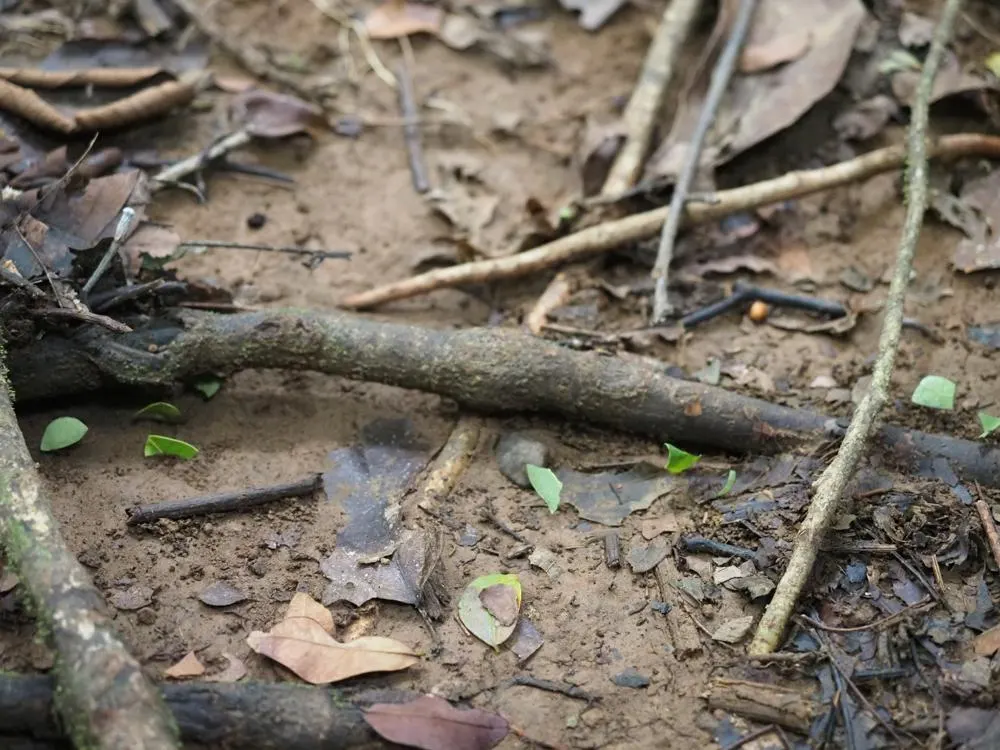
(263, 428)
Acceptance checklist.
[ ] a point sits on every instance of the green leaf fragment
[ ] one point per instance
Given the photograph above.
(478, 618)
(730, 481)
(679, 461)
(161, 445)
(935, 392)
(208, 387)
(992, 63)
(546, 484)
(158, 411)
(989, 423)
(62, 433)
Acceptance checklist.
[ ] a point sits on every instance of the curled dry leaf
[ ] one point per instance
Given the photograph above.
(301, 645)
(790, 45)
(37, 78)
(189, 666)
(265, 114)
(303, 605)
(431, 723)
(394, 19)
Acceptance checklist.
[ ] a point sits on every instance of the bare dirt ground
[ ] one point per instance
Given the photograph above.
(263, 427)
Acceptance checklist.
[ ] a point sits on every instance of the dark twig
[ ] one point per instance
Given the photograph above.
(928, 587)
(612, 550)
(721, 74)
(411, 130)
(490, 515)
(224, 502)
(831, 484)
(551, 686)
(695, 543)
(315, 255)
(114, 297)
(875, 624)
(20, 282)
(743, 293)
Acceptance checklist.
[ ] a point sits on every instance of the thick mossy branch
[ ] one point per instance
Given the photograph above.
(481, 369)
(242, 716)
(103, 698)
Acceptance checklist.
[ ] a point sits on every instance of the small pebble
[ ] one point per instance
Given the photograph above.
(758, 311)
(256, 220)
(514, 451)
(630, 678)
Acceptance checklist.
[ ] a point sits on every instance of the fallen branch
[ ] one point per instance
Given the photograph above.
(643, 111)
(613, 234)
(104, 699)
(830, 486)
(224, 502)
(239, 716)
(481, 369)
(721, 75)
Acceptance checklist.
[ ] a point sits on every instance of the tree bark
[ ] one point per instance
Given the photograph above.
(103, 697)
(238, 716)
(486, 370)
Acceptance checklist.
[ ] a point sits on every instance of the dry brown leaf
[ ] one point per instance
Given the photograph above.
(301, 645)
(189, 666)
(987, 643)
(36, 78)
(265, 114)
(980, 250)
(394, 19)
(431, 723)
(153, 241)
(768, 54)
(8, 581)
(303, 605)
(143, 105)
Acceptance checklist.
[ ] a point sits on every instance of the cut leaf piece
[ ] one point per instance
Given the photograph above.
(62, 433)
(728, 486)
(189, 666)
(546, 484)
(208, 387)
(161, 445)
(489, 607)
(159, 411)
(989, 423)
(935, 392)
(301, 645)
(679, 461)
(431, 723)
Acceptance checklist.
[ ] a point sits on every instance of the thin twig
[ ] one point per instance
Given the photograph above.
(556, 294)
(875, 624)
(642, 113)
(122, 230)
(551, 686)
(16, 279)
(411, 130)
(224, 502)
(84, 316)
(990, 527)
(756, 735)
(721, 75)
(614, 234)
(831, 484)
(316, 255)
(174, 173)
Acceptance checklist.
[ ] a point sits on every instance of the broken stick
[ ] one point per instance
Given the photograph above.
(224, 502)
(613, 234)
(831, 484)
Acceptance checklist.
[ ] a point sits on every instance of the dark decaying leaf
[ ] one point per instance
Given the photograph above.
(526, 640)
(610, 497)
(973, 728)
(643, 558)
(265, 114)
(431, 723)
(367, 480)
(760, 105)
(980, 250)
(93, 53)
(221, 594)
